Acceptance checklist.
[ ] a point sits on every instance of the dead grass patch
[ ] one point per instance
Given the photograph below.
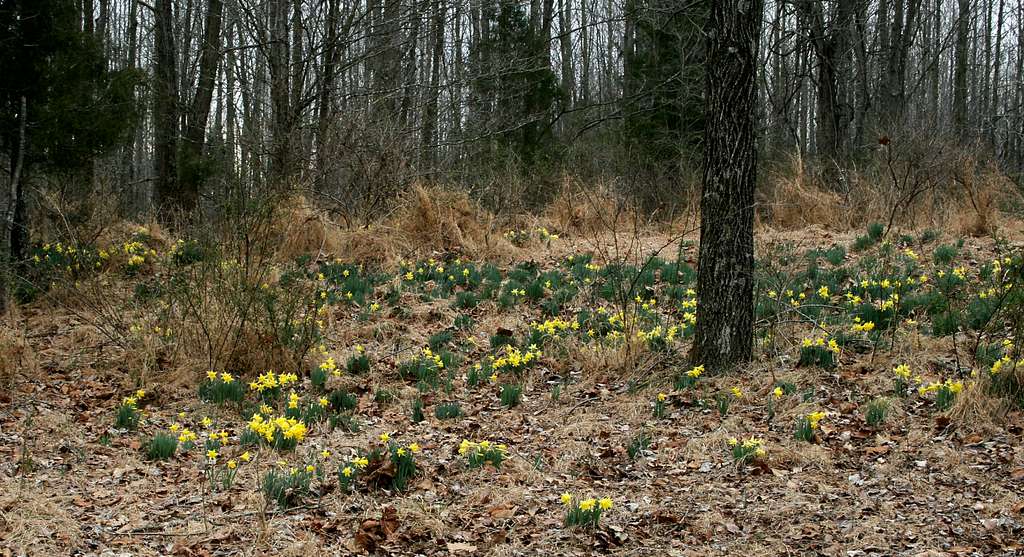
(33, 522)
(16, 355)
(975, 409)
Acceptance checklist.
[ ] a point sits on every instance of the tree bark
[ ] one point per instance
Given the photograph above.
(11, 247)
(960, 69)
(199, 113)
(429, 138)
(165, 111)
(565, 46)
(725, 276)
(280, 161)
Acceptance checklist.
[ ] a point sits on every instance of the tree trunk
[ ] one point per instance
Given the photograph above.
(994, 111)
(199, 113)
(832, 53)
(565, 46)
(725, 276)
(429, 139)
(280, 161)
(11, 247)
(165, 111)
(960, 69)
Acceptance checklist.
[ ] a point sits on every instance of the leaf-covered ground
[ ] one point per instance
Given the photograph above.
(923, 481)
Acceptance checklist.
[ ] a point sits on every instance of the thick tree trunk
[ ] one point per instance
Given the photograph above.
(725, 277)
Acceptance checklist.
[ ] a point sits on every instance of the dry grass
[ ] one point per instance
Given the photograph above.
(794, 200)
(587, 209)
(436, 220)
(33, 521)
(976, 410)
(959, 194)
(16, 355)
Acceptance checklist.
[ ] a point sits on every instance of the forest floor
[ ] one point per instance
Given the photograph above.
(923, 480)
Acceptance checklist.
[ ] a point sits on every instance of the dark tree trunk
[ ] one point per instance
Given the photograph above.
(960, 69)
(565, 45)
(280, 159)
(429, 146)
(199, 114)
(832, 53)
(165, 110)
(725, 277)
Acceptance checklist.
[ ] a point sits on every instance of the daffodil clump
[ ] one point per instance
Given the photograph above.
(425, 369)
(358, 362)
(584, 513)
(1004, 375)
(220, 388)
(511, 395)
(282, 433)
(350, 470)
(483, 452)
(819, 351)
(659, 405)
(268, 385)
(689, 379)
(128, 414)
(863, 327)
(344, 283)
(746, 451)
(551, 328)
(901, 378)
(186, 437)
(945, 392)
(807, 426)
(327, 368)
(287, 485)
(546, 236)
(308, 410)
(658, 337)
(515, 360)
(517, 238)
(221, 475)
(402, 461)
(162, 446)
